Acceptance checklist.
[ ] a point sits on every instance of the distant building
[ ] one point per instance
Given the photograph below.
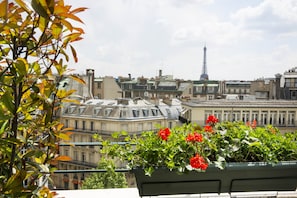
(263, 89)
(236, 87)
(157, 88)
(107, 88)
(279, 113)
(287, 84)
(206, 89)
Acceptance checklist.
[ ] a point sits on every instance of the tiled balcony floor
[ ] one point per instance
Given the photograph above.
(133, 193)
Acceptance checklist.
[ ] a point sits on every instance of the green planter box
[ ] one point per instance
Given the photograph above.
(236, 177)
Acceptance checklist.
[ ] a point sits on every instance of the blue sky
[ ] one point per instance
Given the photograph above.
(245, 39)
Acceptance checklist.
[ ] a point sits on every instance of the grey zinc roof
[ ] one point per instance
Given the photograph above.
(242, 103)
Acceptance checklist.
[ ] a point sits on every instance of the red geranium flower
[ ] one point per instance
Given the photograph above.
(208, 128)
(164, 133)
(211, 120)
(198, 162)
(196, 137)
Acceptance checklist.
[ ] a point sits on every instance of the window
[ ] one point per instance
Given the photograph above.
(155, 112)
(282, 116)
(236, 116)
(245, 116)
(66, 152)
(82, 109)
(227, 116)
(291, 118)
(84, 125)
(145, 112)
(92, 126)
(272, 119)
(66, 123)
(218, 114)
(135, 112)
(210, 89)
(83, 157)
(170, 124)
(264, 115)
(76, 124)
(123, 113)
(71, 109)
(75, 154)
(107, 111)
(255, 115)
(99, 85)
(97, 111)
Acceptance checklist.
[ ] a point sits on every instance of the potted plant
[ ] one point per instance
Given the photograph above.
(221, 157)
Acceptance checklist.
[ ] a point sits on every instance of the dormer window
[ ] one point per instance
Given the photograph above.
(155, 112)
(82, 109)
(107, 111)
(135, 112)
(70, 109)
(123, 113)
(97, 111)
(145, 112)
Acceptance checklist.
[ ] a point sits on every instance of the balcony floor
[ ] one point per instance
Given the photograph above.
(133, 193)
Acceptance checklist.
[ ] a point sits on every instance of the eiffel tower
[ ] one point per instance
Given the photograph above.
(204, 75)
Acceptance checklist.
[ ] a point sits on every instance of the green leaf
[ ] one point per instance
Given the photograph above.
(56, 30)
(22, 66)
(39, 8)
(15, 182)
(7, 100)
(3, 126)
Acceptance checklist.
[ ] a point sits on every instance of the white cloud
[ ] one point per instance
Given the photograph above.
(271, 16)
(245, 39)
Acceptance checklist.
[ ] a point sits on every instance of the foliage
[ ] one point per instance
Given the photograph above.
(108, 179)
(190, 147)
(34, 40)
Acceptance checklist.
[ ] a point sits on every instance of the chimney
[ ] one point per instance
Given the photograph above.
(160, 73)
(90, 75)
(129, 76)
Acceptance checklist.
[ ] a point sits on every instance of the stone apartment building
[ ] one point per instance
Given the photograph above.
(279, 113)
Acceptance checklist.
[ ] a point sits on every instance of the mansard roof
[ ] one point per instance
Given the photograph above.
(243, 103)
